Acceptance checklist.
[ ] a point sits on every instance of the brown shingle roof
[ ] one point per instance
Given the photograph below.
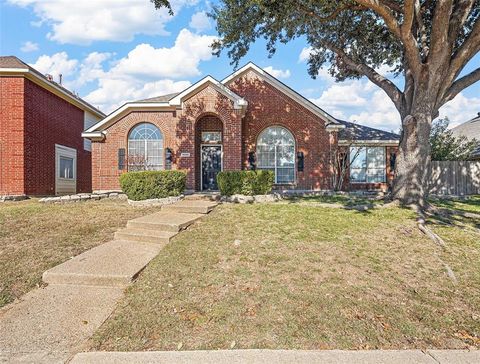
(162, 98)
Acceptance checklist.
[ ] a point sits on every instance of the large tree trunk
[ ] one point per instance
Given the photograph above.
(412, 169)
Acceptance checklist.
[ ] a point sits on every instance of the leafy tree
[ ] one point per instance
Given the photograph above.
(446, 147)
(427, 42)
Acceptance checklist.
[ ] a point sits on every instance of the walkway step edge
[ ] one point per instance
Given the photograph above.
(145, 236)
(262, 356)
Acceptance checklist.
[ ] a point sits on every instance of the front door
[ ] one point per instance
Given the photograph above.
(211, 165)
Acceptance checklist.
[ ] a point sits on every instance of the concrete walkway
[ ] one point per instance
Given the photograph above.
(282, 357)
(51, 324)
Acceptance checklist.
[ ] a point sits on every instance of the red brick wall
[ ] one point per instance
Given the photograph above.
(268, 106)
(50, 120)
(11, 136)
(178, 128)
(105, 154)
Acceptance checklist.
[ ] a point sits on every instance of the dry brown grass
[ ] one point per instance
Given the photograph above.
(35, 237)
(294, 276)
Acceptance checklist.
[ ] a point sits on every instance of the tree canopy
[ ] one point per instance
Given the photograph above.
(445, 146)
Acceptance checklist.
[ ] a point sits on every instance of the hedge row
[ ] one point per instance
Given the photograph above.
(153, 184)
(245, 182)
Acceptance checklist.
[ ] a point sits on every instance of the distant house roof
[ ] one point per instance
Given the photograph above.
(162, 98)
(357, 133)
(11, 65)
(471, 130)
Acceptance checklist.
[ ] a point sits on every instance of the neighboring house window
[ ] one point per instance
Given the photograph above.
(145, 148)
(66, 168)
(367, 164)
(276, 152)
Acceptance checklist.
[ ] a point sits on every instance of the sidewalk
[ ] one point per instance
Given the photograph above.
(282, 357)
(50, 325)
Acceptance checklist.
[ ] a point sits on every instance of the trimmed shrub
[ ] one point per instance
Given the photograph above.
(245, 182)
(145, 185)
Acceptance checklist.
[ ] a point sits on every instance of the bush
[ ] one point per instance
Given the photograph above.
(152, 184)
(245, 182)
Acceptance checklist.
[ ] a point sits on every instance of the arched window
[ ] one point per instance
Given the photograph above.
(145, 148)
(276, 152)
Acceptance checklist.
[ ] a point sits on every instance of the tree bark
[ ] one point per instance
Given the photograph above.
(411, 183)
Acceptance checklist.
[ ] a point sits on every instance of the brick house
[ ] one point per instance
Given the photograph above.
(248, 120)
(42, 151)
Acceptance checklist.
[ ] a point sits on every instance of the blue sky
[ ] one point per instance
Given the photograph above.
(113, 51)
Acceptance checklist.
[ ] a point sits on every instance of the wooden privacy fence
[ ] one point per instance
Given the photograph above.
(455, 178)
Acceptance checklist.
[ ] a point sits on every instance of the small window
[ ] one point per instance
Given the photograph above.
(66, 168)
(211, 136)
(367, 164)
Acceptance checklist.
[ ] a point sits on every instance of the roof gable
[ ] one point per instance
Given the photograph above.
(166, 102)
(13, 66)
(334, 124)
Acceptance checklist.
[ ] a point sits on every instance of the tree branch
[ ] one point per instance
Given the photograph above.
(459, 17)
(460, 85)
(465, 53)
(384, 83)
(404, 35)
(440, 48)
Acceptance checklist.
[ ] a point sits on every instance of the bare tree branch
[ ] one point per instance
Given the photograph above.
(460, 84)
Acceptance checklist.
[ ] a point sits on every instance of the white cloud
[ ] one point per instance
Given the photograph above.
(29, 47)
(345, 94)
(304, 54)
(460, 109)
(200, 21)
(181, 60)
(57, 64)
(277, 73)
(82, 22)
(144, 72)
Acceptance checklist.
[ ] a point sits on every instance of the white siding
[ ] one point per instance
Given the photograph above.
(89, 121)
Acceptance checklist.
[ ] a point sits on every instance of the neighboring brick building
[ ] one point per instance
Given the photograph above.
(42, 151)
(248, 120)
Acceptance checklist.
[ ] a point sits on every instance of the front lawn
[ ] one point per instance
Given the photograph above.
(35, 237)
(290, 275)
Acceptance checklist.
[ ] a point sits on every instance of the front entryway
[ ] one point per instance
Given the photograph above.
(211, 164)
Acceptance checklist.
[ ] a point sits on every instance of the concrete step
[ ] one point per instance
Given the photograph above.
(145, 235)
(164, 221)
(205, 196)
(191, 206)
(113, 264)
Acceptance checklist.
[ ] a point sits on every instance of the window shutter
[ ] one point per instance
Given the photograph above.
(300, 159)
(121, 159)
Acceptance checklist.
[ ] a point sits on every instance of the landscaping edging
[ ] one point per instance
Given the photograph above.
(156, 201)
(13, 198)
(274, 197)
(82, 197)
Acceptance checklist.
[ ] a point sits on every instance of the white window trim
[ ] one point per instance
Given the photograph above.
(67, 152)
(275, 165)
(162, 149)
(366, 168)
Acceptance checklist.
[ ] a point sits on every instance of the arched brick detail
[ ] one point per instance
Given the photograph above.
(268, 106)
